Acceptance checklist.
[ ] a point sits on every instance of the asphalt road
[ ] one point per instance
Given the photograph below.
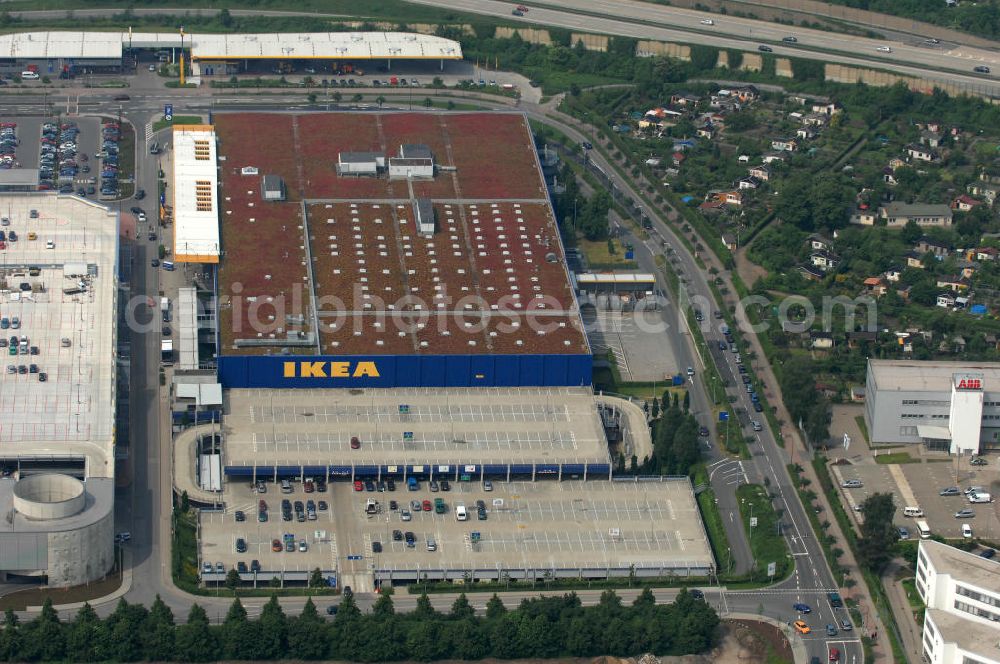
(950, 63)
(145, 509)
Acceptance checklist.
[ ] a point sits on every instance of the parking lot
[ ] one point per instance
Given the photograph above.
(427, 426)
(919, 484)
(639, 355)
(534, 529)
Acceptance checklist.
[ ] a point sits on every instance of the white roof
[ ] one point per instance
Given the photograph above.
(73, 412)
(929, 375)
(207, 394)
(187, 329)
(346, 45)
(196, 195)
(614, 278)
(43, 45)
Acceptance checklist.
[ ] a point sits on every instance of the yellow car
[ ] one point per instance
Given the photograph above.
(801, 627)
(32, 236)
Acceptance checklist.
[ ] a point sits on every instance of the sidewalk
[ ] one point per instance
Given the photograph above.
(909, 630)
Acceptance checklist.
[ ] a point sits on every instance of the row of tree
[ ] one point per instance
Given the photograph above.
(579, 213)
(548, 627)
(675, 437)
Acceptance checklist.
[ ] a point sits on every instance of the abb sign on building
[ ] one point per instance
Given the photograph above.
(969, 382)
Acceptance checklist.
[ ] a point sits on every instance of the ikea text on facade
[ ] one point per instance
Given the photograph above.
(330, 370)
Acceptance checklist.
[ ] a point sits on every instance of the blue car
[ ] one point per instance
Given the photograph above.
(802, 608)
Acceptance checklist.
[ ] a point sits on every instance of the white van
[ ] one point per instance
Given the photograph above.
(980, 498)
(966, 531)
(30, 76)
(924, 530)
(914, 512)
(460, 513)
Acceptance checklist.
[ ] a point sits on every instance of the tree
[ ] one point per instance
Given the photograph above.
(44, 639)
(273, 634)
(307, 634)
(878, 534)
(86, 638)
(380, 100)
(337, 97)
(911, 232)
(687, 400)
(159, 633)
(461, 609)
(196, 642)
(316, 579)
(495, 608)
(311, 97)
(428, 102)
(239, 635)
(384, 606)
(424, 610)
(357, 98)
(185, 502)
(232, 579)
(225, 18)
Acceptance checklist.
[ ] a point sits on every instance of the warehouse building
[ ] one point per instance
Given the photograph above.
(414, 161)
(56, 53)
(962, 620)
(449, 280)
(195, 194)
(57, 402)
(952, 406)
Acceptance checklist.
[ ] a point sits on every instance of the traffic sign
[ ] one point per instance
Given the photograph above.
(772, 569)
(168, 112)
(723, 416)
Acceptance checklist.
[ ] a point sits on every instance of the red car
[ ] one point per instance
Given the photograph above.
(427, 506)
(358, 486)
(355, 443)
(834, 655)
(308, 486)
(276, 546)
(3, 245)
(522, 8)
(262, 505)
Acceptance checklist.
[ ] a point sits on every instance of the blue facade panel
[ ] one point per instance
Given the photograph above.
(314, 470)
(481, 373)
(366, 471)
(521, 468)
(239, 471)
(289, 471)
(495, 469)
(598, 469)
(340, 472)
(547, 469)
(271, 371)
(573, 468)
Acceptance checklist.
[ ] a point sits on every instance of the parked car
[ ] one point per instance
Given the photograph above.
(852, 484)
(950, 491)
(965, 514)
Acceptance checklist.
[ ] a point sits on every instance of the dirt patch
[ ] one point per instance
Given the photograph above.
(34, 596)
(751, 641)
(749, 271)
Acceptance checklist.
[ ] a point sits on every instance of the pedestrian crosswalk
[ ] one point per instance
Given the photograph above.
(149, 131)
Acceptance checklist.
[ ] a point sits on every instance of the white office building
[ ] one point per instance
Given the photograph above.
(962, 594)
(953, 406)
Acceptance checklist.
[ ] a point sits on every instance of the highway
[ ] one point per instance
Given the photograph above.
(950, 63)
(145, 508)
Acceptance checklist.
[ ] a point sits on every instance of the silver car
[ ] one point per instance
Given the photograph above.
(404, 515)
(965, 514)
(852, 484)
